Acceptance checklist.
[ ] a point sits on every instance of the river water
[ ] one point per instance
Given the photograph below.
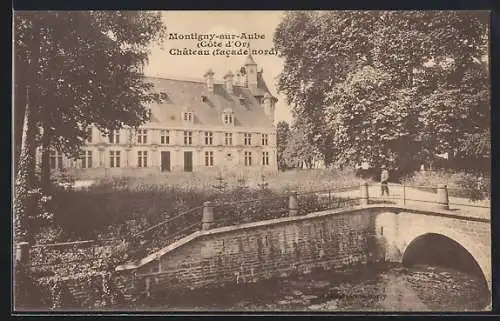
(382, 288)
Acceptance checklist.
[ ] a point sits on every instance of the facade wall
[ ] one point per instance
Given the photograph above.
(226, 157)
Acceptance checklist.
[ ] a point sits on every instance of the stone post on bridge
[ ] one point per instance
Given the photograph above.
(442, 197)
(208, 216)
(293, 205)
(364, 197)
(22, 253)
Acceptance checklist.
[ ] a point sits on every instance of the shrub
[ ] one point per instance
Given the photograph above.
(27, 293)
(117, 207)
(460, 184)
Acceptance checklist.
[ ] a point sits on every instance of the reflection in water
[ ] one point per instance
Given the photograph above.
(419, 288)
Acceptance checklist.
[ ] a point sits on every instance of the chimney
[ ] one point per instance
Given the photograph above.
(244, 77)
(228, 81)
(238, 79)
(209, 79)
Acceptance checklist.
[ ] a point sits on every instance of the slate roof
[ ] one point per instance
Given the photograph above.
(186, 95)
(262, 88)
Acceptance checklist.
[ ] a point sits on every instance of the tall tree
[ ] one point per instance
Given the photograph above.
(299, 151)
(91, 67)
(282, 137)
(83, 68)
(414, 61)
(371, 122)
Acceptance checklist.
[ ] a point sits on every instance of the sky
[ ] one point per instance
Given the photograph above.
(163, 64)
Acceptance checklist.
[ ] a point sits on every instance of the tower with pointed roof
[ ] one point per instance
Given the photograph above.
(251, 72)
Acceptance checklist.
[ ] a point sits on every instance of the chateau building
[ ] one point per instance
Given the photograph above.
(200, 125)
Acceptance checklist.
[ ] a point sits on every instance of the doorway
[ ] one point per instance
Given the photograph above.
(165, 161)
(188, 161)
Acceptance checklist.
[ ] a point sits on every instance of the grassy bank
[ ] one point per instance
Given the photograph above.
(113, 205)
(302, 180)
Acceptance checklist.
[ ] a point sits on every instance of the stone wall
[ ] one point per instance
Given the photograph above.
(265, 250)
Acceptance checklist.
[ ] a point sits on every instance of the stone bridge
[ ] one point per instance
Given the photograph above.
(403, 229)
(327, 240)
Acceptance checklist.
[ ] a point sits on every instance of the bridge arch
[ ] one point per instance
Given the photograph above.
(453, 239)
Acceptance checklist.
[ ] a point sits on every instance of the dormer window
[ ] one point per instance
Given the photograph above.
(204, 98)
(187, 116)
(114, 137)
(227, 117)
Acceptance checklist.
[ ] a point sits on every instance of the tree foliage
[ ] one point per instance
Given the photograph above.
(89, 71)
(384, 86)
(370, 121)
(299, 151)
(73, 69)
(282, 137)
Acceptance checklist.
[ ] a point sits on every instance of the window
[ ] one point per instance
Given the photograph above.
(228, 138)
(89, 134)
(248, 139)
(142, 136)
(265, 158)
(114, 158)
(86, 159)
(188, 116)
(209, 159)
(165, 137)
(188, 138)
(209, 138)
(264, 139)
(248, 158)
(228, 118)
(114, 137)
(142, 159)
(56, 160)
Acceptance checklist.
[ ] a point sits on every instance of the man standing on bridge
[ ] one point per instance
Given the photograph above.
(384, 178)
